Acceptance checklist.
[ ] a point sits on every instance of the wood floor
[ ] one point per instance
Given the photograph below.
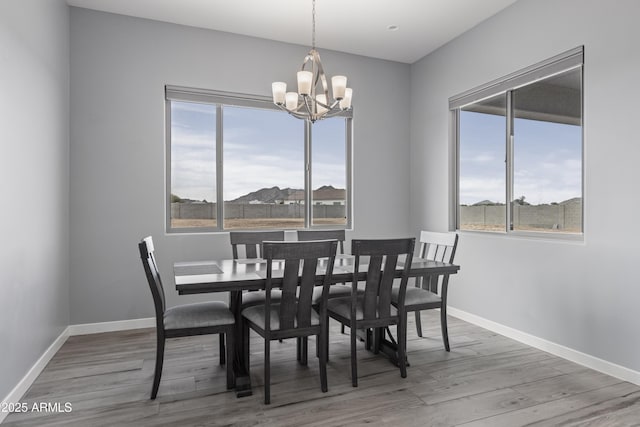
(486, 380)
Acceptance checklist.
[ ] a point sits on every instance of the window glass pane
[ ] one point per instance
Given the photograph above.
(263, 169)
(193, 165)
(547, 155)
(329, 172)
(482, 133)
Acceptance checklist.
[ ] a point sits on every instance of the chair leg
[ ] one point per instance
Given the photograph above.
(301, 350)
(231, 380)
(377, 335)
(368, 339)
(222, 351)
(443, 325)
(319, 343)
(245, 342)
(418, 324)
(323, 358)
(158, 370)
(402, 345)
(326, 339)
(267, 371)
(354, 361)
(304, 351)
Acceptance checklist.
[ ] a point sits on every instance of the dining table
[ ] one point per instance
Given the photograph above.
(238, 275)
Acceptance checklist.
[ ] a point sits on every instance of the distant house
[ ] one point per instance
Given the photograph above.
(325, 195)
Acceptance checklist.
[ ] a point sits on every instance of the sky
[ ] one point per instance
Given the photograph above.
(262, 149)
(547, 159)
(265, 148)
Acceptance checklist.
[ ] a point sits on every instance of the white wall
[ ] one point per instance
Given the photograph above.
(119, 66)
(34, 111)
(580, 295)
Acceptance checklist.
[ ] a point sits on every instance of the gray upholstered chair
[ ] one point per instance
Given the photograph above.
(293, 316)
(372, 307)
(185, 320)
(431, 291)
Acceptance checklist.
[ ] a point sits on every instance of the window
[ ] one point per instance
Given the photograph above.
(519, 151)
(238, 162)
(329, 172)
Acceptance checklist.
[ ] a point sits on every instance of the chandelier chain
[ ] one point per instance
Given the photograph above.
(313, 31)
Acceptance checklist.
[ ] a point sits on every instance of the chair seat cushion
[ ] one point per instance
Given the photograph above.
(198, 315)
(256, 314)
(335, 291)
(257, 297)
(416, 296)
(342, 307)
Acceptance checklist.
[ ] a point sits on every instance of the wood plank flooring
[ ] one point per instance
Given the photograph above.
(486, 380)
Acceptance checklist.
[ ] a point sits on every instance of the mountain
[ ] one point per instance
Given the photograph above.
(266, 195)
(275, 194)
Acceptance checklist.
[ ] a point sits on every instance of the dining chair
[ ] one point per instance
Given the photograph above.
(250, 242)
(337, 290)
(430, 292)
(372, 308)
(295, 267)
(201, 318)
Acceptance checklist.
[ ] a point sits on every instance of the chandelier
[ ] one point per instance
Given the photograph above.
(312, 101)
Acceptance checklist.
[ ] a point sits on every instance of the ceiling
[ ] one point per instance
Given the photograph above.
(354, 26)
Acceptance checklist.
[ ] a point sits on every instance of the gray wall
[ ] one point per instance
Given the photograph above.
(119, 66)
(580, 295)
(34, 255)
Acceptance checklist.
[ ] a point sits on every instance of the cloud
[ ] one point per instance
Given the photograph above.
(480, 158)
(476, 189)
(261, 149)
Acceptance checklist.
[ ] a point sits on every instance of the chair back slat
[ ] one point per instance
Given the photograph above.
(305, 295)
(288, 308)
(372, 287)
(438, 246)
(384, 302)
(297, 290)
(339, 235)
(153, 276)
(251, 242)
(384, 256)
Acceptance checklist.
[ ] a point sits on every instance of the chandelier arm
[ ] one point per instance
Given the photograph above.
(307, 104)
(332, 113)
(327, 106)
(294, 113)
(299, 115)
(321, 75)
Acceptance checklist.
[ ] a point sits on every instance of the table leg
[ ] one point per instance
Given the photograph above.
(241, 351)
(388, 347)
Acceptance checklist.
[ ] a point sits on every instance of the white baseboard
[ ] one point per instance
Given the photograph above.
(567, 353)
(82, 329)
(21, 388)
(118, 325)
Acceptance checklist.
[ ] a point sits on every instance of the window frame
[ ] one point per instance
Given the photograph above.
(221, 99)
(570, 60)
